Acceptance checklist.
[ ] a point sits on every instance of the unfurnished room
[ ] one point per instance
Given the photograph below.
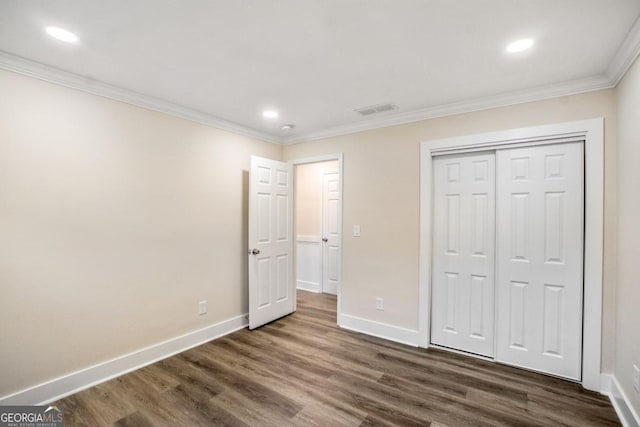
(319, 213)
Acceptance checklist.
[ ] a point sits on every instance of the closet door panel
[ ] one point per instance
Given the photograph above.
(540, 209)
(463, 247)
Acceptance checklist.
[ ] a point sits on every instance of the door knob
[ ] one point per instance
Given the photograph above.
(255, 251)
(324, 239)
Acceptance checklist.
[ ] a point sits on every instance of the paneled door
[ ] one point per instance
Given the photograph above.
(271, 288)
(539, 258)
(463, 253)
(331, 226)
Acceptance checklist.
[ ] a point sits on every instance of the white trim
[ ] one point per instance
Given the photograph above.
(621, 403)
(74, 382)
(317, 159)
(592, 131)
(380, 330)
(605, 384)
(573, 87)
(305, 285)
(626, 55)
(534, 143)
(325, 158)
(622, 60)
(64, 78)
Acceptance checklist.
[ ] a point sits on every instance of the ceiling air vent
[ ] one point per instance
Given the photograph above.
(375, 109)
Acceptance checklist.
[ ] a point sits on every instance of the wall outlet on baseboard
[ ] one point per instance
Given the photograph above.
(379, 303)
(636, 378)
(202, 307)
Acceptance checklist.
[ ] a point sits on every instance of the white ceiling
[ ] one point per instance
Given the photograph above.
(315, 61)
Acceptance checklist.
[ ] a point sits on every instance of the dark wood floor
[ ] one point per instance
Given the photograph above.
(302, 370)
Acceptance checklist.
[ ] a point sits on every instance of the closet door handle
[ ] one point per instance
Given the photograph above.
(324, 239)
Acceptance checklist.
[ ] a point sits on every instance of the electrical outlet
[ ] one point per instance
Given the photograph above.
(202, 307)
(379, 304)
(636, 378)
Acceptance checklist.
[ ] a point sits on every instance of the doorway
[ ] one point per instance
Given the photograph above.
(318, 225)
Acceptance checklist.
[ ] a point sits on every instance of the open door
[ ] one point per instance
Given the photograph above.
(271, 287)
(331, 229)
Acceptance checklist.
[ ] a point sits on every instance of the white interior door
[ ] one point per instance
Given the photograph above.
(463, 253)
(331, 229)
(271, 287)
(539, 258)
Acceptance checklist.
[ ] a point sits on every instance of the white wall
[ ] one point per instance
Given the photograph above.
(114, 222)
(627, 350)
(381, 193)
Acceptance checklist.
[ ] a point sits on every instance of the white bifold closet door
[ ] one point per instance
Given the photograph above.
(508, 245)
(540, 199)
(463, 253)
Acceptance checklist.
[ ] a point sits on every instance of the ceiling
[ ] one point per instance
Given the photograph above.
(316, 61)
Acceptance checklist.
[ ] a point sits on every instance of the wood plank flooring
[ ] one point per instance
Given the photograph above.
(304, 371)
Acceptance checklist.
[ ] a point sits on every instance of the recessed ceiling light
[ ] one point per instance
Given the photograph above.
(519, 45)
(270, 114)
(61, 34)
(287, 127)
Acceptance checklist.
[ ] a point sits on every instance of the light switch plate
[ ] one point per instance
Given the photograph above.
(356, 231)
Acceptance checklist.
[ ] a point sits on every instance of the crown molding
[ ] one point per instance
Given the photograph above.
(626, 55)
(623, 59)
(573, 87)
(44, 72)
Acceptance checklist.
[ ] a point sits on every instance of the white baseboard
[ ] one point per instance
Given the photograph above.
(628, 416)
(380, 330)
(309, 286)
(605, 384)
(72, 383)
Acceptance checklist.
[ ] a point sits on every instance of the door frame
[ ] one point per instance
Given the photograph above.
(592, 132)
(319, 159)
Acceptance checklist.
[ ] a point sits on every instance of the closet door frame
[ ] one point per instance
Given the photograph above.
(591, 132)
